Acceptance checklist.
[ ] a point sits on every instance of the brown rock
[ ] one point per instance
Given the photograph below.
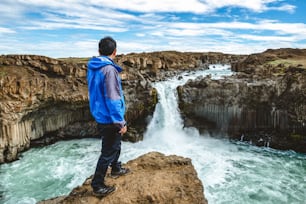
(154, 178)
(272, 62)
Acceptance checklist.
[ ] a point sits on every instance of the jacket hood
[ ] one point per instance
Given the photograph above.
(97, 63)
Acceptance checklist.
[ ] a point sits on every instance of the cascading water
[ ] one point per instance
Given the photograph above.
(231, 172)
(167, 125)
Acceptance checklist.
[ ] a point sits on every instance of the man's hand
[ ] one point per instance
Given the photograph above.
(123, 130)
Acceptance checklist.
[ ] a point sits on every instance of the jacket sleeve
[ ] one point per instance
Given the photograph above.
(114, 100)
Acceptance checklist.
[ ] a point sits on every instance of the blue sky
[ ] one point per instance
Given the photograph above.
(72, 28)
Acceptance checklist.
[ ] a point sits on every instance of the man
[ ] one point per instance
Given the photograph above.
(107, 106)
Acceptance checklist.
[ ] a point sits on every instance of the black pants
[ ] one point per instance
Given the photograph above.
(111, 147)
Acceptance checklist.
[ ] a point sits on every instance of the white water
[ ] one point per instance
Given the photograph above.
(231, 172)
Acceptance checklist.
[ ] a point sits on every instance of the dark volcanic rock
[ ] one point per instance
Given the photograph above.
(268, 110)
(44, 100)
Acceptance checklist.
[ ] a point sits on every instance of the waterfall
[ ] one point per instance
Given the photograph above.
(167, 124)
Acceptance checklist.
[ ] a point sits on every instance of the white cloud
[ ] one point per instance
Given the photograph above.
(283, 28)
(268, 38)
(68, 14)
(254, 5)
(201, 45)
(10, 10)
(72, 25)
(159, 33)
(145, 6)
(153, 6)
(193, 6)
(140, 34)
(52, 49)
(126, 47)
(286, 7)
(201, 31)
(224, 28)
(6, 31)
(105, 14)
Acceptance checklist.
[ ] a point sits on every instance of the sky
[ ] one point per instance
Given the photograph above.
(73, 28)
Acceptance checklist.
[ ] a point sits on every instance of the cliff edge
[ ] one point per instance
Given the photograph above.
(154, 178)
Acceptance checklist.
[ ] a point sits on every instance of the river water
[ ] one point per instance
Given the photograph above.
(231, 171)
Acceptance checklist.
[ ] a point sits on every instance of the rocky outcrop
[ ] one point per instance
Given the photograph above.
(265, 104)
(154, 178)
(271, 62)
(44, 99)
(39, 95)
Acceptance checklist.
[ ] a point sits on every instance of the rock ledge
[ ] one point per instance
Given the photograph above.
(155, 178)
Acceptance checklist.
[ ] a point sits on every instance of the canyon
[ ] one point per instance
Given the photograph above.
(44, 100)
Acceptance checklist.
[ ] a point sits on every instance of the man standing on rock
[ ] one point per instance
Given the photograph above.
(106, 102)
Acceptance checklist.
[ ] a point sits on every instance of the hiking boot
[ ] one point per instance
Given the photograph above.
(103, 190)
(120, 172)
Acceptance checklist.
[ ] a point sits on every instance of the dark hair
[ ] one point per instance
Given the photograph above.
(107, 45)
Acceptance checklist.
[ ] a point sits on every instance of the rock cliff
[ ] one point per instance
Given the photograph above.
(154, 178)
(44, 99)
(265, 103)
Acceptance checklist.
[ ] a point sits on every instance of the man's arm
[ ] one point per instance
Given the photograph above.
(113, 96)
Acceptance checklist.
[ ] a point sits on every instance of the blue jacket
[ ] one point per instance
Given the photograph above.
(106, 100)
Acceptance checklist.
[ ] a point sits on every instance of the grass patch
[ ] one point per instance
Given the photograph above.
(286, 63)
(3, 73)
(297, 136)
(74, 60)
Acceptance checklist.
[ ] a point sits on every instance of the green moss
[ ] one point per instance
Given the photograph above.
(297, 136)
(154, 96)
(281, 66)
(279, 62)
(286, 63)
(140, 107)
(3, 73)
(74, 60)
